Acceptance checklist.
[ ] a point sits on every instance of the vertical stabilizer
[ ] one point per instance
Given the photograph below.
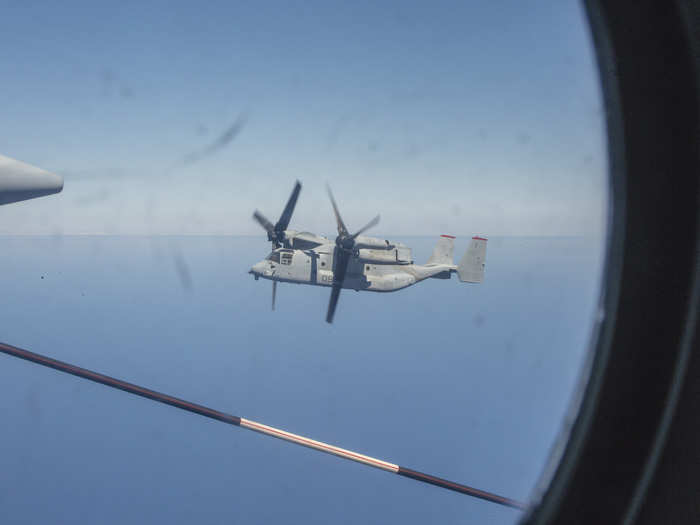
(471, 267)
(443, 251)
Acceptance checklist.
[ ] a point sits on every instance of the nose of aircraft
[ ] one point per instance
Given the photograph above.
(20, 181)
(258, 269)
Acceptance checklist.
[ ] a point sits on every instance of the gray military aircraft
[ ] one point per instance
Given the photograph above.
(354, 261)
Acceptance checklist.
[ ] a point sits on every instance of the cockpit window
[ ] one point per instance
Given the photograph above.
(287, 257)
(274, 257)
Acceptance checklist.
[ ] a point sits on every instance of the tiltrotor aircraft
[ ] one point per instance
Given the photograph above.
(354, 261)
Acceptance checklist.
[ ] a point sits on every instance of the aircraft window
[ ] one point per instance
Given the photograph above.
(449, 126)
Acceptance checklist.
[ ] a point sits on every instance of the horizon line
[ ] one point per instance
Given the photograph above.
(469, 236)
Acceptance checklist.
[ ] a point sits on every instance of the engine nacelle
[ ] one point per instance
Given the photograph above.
(372, 243)
(377, 256)
(397, 255)
(302, 240)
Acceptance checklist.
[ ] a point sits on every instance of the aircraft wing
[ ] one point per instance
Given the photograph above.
(20, 181)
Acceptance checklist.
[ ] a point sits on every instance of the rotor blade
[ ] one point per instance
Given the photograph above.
(341, 266)
(369, 225)
(274, 294)
(262, 220)
(335, 293)
(288, 209)
(255, 426)
(342, 230)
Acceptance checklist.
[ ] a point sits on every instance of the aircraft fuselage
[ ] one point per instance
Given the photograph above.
(380, 267)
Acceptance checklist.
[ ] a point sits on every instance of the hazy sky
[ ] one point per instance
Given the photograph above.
(462, 118)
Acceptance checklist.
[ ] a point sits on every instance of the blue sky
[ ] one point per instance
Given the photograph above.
(447, 117)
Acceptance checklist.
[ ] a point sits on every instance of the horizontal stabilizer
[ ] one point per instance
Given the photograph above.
(471, 267)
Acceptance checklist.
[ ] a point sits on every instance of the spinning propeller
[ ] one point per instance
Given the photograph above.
(275, 233)
(344, 245)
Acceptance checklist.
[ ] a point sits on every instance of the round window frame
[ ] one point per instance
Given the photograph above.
(628, 453)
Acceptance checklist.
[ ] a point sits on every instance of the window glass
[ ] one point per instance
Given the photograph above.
(172, 123)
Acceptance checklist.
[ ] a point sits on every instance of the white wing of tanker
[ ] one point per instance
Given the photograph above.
(471, 267)
(20, 181)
